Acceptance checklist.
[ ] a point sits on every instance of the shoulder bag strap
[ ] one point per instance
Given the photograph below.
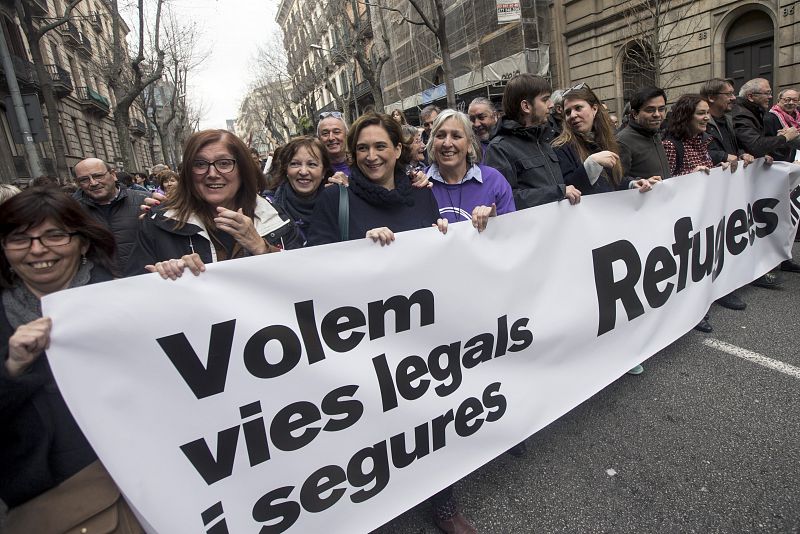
(344, 214)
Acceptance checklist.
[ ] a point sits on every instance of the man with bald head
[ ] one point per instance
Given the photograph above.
(748, 121)
(781, 116)
(114, 206)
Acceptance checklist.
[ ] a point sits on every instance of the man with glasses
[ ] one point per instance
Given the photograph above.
(427, 116)
(640, 149)
(781, 116)
(724, 146)
(332, 131)
(748, 121)
(114, 206)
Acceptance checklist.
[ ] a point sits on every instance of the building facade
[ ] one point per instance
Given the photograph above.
(319, 38)
(485, 49)
(74, 55)
(616, 46)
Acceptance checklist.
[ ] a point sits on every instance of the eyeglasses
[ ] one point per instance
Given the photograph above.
(576, 88)
(49, 239)
(789, 100)
(334, 114)
(86, 180)
(201, 166)
(729, 93)
(767, 93)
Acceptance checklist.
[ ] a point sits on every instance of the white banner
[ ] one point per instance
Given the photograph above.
(332, 388)
(508, 11)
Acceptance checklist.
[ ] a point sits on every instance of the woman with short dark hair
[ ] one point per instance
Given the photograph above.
(381, 199)
(214, 214)
(304, 169)
(51, 478)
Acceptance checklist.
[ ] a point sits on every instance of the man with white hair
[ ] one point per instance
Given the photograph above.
(748, 123)
(332, 133)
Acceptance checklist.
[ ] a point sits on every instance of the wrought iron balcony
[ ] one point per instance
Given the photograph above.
(62, 81)
(95, 21)
(85, 49)
(362, 88)
(70, 33)
(38, 7)
(24, 71)
(93, 102)
(138, 127)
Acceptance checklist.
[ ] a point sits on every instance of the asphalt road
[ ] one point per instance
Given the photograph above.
(703, 441)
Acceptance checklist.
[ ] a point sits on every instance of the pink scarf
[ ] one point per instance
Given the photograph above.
(786, 120)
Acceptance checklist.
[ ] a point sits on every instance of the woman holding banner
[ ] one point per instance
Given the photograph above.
(380, 199)
(588, 152)
(214, 214)
(464, 189)
(686, 144)
(50, 476)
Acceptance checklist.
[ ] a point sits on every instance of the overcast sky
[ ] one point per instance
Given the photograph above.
(232, 30)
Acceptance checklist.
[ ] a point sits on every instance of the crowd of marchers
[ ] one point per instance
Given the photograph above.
(373, 179)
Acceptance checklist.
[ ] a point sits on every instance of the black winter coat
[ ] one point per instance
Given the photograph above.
(575, 173)
(160, 239)
(366, 214)
(641, 153)
(722, 145)
(122, 220)
(748, 123)
(41, 445)
(524, 156)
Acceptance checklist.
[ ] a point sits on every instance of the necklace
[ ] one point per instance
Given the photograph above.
(456, 208)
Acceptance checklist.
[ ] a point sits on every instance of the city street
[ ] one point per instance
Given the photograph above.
(703, 441)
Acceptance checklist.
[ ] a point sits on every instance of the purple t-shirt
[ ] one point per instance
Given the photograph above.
(341, 167)
(482, 186)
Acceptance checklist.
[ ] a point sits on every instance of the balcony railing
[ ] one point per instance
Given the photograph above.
(38, 7)
(70, 33)
(85, 49)
(362, 88)
(62, 81)
(138, 127)
(95, 21)
(24, 71)
(93, 101)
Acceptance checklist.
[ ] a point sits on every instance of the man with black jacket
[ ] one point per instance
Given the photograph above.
(748, 123)
(724, 146)
(641, 152)
(520, 149)
(114, 206)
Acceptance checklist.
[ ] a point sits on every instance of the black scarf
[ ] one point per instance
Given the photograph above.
(299, 208)
(22, 306)
(378, 195)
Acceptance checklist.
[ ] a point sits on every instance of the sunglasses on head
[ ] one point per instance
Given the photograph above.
(334, 114)
(576, 88)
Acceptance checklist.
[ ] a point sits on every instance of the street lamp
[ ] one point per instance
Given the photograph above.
(352, 76)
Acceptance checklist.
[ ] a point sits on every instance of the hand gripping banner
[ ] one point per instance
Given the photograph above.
(330, 389)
